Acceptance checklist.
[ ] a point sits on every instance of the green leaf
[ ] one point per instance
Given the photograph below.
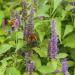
(70, 63)
(12, 43)
(74, 71)
(64, 13)
(58, 28)
(12, 71)
(41, 51)
(2, 32)
(68, 29)
(72, 54)
(60, 73)
(61, 55)
(36, 60)
(19, 44)
(34, 73)
(2, 39)
(1, 17)
(56, 4)
(52, 65)
(20, 35)
(69, 41)
(42, 11)
(41, 35)
(4, 48)
(3, 67)
(74, 22)
(44, 69)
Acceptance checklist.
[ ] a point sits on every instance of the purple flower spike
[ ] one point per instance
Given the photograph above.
(16, 23)
(52, 47)
(30, 67)
(64, 66)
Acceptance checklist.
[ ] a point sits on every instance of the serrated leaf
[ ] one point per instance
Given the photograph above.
(56, 4)
(4, 48)
(68, 29)
(62, 55)
(41, 51)
(12, 71)
(70, 63)
(36, 60)
(69, 41)
(44, 69)
(52, 65)
(43, 11)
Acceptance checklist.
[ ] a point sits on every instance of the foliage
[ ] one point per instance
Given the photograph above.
(12, 62)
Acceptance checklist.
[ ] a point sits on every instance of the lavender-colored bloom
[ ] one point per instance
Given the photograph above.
(16, 23)
(29, 26)
(30, 68)
(52, 47)
(64, 66)
(24, 10)
(18, 16)
(72, 3)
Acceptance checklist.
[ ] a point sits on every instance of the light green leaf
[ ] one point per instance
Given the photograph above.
(68, 29)
(44, 69)
(3, 67)
(56, 4)
(69, 41)
(42, 11)
(74, 22)
(60, 73)
(61, 55)
(19, 44)
(20, 35)
(12, 71)
(58, 28)
(74, 71)
(2, 39)
(1, 16)
(36, 60)
(41, 51)
(4, 48)
(70, 63)
(72, 54)
(52, 65)
(41, 35)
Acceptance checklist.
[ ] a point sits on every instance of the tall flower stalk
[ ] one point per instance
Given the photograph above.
(24, 9)
(29, 25)
(64, 66)
(30, 68)
(28, 30)
(52, 47)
